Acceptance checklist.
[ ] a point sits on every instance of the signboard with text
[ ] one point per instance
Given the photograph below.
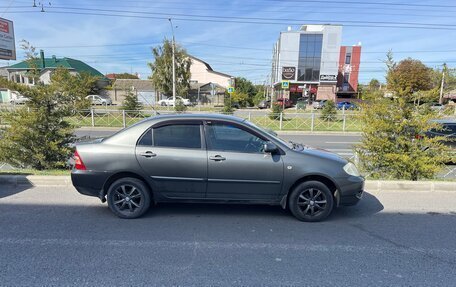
(328, 78)
(7, 43)
(289, 73)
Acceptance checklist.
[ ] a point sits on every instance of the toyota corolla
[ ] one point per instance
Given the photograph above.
(212, 159)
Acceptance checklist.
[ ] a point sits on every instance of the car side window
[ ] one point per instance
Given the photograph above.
(178, 136)
(146, 139)
(227, 137)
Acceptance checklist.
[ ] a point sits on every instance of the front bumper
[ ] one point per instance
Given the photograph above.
(351, 190)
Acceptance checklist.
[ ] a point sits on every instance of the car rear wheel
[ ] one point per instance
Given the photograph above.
(311, 201)
(128, 198)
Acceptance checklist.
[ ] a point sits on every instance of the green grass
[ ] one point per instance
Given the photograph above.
(36, 172)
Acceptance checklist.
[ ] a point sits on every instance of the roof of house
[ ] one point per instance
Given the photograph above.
(208, 67)
(139, 85)
(54, 63)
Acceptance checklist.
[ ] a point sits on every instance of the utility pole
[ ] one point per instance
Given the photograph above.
(441, 85)
(174, 65)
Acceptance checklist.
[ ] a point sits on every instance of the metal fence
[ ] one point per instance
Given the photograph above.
(281, 121)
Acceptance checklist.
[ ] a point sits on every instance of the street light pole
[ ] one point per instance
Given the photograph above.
(174, 65)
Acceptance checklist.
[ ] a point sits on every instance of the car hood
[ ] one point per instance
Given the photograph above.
(321, 153)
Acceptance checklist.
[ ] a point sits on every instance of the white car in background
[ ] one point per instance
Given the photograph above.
(18, 99)
(169, 101)
(99, 100)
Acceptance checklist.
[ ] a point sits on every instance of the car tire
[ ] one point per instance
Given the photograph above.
(128, 198)
(311, 201)
(163, 104)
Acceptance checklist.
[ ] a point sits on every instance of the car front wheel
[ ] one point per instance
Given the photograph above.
(311, 201)
(128, 198)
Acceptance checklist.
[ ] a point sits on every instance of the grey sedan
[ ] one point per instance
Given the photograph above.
(216, 159)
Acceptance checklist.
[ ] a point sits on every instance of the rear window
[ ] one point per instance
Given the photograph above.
(178, 136)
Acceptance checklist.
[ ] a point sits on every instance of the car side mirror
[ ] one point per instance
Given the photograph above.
(270, 147)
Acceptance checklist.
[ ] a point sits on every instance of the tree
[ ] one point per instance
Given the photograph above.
(393, 143)
(408, 77)
(241, 98)
(125, 76)
(329, 111)
(78, 87)
(38, 136)
(162, 69)
(131, 102)
(245, 87)
(374, 84)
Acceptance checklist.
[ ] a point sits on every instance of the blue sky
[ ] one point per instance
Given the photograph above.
(123, 44)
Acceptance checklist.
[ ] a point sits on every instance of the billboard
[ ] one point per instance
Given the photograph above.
(7, 44)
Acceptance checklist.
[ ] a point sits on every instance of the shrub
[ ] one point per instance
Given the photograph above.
(329, 111)
(276, 109)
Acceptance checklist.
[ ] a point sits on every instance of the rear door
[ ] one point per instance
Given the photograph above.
(238, 169)
(173, 154)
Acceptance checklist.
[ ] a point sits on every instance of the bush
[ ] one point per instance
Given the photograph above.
(329, 111)
(276, 109)
(227, 108)
(131, 102)
(179, 106)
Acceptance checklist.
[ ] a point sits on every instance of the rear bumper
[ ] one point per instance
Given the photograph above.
(351, 190)
(88, 182)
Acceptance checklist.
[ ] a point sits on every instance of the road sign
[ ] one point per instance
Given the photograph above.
(7, 44)
(285, 84)
(230, 90)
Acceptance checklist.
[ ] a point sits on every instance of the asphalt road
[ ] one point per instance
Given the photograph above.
(55, 237)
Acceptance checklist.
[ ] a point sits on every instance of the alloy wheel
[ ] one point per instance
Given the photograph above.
(312, 202)
(127, 199)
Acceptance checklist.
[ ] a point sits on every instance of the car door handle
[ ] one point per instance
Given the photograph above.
(148, 154)
(217, 158)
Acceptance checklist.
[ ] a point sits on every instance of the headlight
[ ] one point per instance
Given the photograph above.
(351, 169)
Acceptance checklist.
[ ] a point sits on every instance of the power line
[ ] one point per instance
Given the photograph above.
(427, 26)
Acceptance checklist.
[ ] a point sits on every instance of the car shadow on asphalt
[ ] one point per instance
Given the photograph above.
(369, 205)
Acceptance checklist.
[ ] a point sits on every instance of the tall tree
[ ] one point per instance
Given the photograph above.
(247, 89)
(162, 71)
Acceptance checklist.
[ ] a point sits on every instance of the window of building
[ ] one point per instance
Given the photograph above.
(310, 47)
(226, 137)
(348, 58)
(346, 78)
(179, 136)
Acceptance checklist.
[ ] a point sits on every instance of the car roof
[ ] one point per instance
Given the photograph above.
(176, 116)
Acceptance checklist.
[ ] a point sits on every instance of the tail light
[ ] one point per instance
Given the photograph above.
(78, 164)
(419, 137)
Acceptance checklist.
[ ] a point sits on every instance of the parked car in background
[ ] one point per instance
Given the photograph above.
(448, 131)
(437, 107)
(285, 103)
(19, 100)
(319, 104)
(99, 100)
(264, 104)
(346, 106)
(170, 102)
(212, 159)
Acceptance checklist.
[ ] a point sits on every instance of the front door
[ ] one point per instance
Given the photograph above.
(238, 169)
(175, 159)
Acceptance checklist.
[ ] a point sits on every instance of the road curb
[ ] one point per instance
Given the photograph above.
(35, 180)
(371, 185)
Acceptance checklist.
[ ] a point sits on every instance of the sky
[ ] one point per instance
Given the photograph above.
(234, 37)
